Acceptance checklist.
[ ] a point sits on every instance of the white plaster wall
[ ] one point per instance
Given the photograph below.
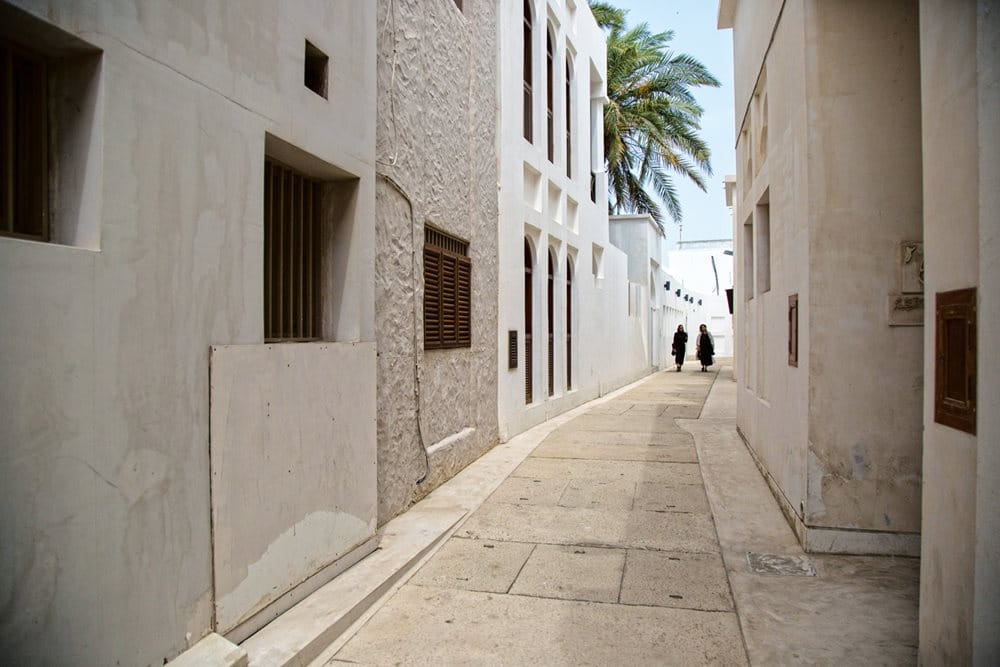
(600, 308)
(957, 561)
(269, 437)
(104, 410)
(866, 380)
(772, 400)
(693, 266)
(841, 175)
(437, 160)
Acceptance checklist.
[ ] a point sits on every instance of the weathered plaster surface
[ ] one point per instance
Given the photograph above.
(104, 408)
(293, 478)
(437, 141)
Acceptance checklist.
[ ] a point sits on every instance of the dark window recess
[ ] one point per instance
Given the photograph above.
(955, 367)
(458, 3)
(511, 350)
(527, 63)
(447, 291)
(569, 324)
(551, 325)
(317, 64)
(793, 330)
(23, 145)
(528, 291)
(593, 187)
(550, 95)
(291, 254)
(569, 119)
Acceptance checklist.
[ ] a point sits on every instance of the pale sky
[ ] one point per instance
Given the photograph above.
(693, 23)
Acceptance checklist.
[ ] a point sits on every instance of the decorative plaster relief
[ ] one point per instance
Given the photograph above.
(911, 267)
(906, 310)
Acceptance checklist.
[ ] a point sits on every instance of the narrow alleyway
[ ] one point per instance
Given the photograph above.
(639, 532)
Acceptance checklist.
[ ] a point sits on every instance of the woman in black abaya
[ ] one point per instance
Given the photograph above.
(706, 347)
(680, 344)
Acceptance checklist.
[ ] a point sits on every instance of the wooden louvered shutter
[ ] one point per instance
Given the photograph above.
(432, 298)
(447, 291)
(463, 300)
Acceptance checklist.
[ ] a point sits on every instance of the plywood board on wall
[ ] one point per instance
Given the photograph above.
(293, 460)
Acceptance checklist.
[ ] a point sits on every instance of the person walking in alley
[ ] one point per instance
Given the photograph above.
(705, 348)
(680, 344)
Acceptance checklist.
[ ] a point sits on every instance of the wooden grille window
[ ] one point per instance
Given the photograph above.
(551, 326)
(527, 65)
(569, 324)
(291, 254)
(793, 329)
(23, 145)
(550, 95)
(955, 363)
(528, 366)
(447, 291)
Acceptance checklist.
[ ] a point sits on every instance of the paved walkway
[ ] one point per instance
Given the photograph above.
(603, 547)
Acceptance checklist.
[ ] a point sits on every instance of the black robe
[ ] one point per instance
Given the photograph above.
(680, 343)
(705, 349)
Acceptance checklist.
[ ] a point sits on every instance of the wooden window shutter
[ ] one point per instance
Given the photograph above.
(955, 360)
(447, 291)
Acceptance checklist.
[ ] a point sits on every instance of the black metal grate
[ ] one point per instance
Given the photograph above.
(291, 254)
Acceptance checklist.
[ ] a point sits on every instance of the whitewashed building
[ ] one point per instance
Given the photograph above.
(565, 294)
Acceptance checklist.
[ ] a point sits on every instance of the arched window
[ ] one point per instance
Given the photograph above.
(569, 117)
(551, 323)
(528, 62)
(569, 323)
(527, 322)
(550, 93)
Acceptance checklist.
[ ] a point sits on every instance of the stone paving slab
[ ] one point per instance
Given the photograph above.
(573, 436)
(653, 497)
(614, 495)
(666, 579)
(582, 526)
(668, 453)
(572, 573)
(430, 626)
(633, 471)
(475, 565)
(626, 423)
(529, 491)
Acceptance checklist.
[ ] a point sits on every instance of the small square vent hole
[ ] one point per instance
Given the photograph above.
(317, 63)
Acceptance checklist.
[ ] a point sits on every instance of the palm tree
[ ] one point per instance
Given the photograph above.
(651, 120)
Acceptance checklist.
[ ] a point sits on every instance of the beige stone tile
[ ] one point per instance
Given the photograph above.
(676, 579)
(613, 495)
(564, 435)
(584, 526)
(475, 565)
(671, 498)
(529, 491)
(572, 573)
(625, 423)
(668, 453)
(635, 471)
(435, 626)
(670, 531)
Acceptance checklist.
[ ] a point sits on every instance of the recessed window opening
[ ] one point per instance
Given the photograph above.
(956, 366)
(528, 302)
(292, 203)
(458, 3)
(551, 325)
(316, 66)
(550, 93)
(447, 291)
(748, 277)
(569, 323)
(49, 181)
(762, 228)
(569, 117)
(527, 63)
(793, 330)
